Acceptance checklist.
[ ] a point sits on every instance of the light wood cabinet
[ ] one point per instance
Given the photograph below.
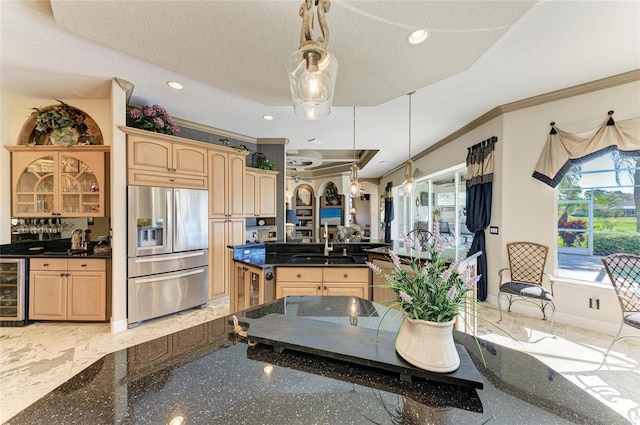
(252, 286)
(67, 289)
(226, 183)
(346, 281)
(226, 213)
(260, 193)
(58, 181)
(154, 160)
(222, 232)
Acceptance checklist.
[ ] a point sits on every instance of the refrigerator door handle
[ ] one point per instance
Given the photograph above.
(169, 277)
(169, 214)
(156, 258)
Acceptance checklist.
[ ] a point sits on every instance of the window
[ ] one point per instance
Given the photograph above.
(442, 195)
(598, 215)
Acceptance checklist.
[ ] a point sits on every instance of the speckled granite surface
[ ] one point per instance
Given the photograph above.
(202, 376)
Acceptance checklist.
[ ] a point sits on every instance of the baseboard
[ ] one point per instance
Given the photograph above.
(567, 319)
(118, 325)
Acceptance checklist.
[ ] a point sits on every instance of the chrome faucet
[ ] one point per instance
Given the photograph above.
(327, 246)
(77, 239)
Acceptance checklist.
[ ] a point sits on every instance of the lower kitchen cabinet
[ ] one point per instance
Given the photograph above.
(67, 289)
(346, 281)
(252, 286)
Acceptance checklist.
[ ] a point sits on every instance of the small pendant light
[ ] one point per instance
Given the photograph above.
(354, 187)
(409, 184)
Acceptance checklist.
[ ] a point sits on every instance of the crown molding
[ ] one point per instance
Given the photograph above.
(592, 86)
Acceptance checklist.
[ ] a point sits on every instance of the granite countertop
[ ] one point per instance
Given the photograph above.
(283, 261)
(49, 249)
(406, 252)
(276, 254)
(205, 375)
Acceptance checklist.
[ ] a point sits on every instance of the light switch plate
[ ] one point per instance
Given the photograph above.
(493, 230)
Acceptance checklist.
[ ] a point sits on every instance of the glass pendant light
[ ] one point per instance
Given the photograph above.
(409, 184)
(312, 70)
(354, 187)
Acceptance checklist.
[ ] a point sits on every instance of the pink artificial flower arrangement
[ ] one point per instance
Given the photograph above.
(153, 118)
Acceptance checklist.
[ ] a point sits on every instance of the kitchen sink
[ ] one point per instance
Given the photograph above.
(67, 253)
(322, 259)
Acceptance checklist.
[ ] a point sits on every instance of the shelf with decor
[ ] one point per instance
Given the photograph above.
(304, 207)
(331, 210)
(58, 181)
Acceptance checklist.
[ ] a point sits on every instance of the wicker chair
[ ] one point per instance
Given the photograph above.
(526, 269)
(624, 272)
(422, 235)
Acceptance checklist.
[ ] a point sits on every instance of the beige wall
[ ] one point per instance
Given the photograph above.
(529, 206)
(525, 208)
(108, 114)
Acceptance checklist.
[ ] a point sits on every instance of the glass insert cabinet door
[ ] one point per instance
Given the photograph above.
(58, 184)
(248, 288)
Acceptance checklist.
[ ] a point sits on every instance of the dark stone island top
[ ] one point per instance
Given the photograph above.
(206, 375)
(280, 253)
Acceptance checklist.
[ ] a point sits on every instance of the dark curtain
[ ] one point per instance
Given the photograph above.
(479, 192)
(388, 211)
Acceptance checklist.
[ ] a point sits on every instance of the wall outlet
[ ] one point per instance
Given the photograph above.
(594, 303)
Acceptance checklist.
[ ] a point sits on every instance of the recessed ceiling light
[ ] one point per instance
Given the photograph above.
(314, 141)
(382, 161)
(267, 117)
(417, 36)
(175, 85)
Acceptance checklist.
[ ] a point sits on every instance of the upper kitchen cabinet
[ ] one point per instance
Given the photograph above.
(226, 182)
(58, 181)
(156, 159)
(260, 193)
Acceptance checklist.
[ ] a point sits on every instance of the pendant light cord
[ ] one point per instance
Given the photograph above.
(354, 134)
(410, 94)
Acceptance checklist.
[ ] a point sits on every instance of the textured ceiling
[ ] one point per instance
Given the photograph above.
(243, 47)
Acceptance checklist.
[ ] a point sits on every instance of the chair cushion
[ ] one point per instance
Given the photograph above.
(526, 290)
(633, 320)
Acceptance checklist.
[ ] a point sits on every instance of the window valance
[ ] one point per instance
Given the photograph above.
(564, 150)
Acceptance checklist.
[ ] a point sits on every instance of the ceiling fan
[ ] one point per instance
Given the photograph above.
(296, 178)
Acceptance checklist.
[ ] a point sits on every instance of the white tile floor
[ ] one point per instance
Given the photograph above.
(37, 358)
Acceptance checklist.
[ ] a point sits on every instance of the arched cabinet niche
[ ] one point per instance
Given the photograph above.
(304, 206)
(50, 180)
(331, 210)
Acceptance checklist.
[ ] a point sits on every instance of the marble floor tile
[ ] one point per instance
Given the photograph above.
(10, 338)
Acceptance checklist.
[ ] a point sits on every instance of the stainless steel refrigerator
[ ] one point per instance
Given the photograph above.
(167, 251)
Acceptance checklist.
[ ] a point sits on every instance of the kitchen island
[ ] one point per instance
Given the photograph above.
(206, 375)
(263, 272)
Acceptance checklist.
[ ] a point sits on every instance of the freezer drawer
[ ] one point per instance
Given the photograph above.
(157, 295)
(154, 264)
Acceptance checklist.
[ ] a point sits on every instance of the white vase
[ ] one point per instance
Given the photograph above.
(428, 345)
